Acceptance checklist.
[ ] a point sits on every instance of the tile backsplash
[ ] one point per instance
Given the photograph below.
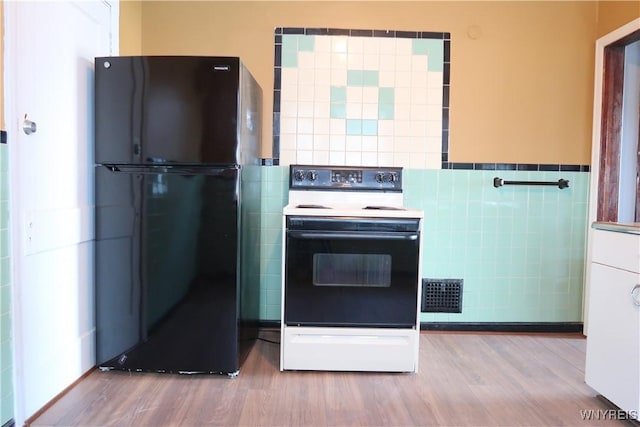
(361, 97)
(381, 98)
(377, 98)
(519, 249)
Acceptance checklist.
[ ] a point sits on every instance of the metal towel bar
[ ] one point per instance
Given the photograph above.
(561, 183)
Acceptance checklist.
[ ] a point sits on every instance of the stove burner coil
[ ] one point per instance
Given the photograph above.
(384, 208)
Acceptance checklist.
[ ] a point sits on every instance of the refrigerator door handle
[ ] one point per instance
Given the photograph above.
(171, 169)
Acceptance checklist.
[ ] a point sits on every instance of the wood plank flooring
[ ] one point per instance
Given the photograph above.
(465, 379)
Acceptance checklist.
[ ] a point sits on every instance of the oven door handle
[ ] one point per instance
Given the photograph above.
(311, 235)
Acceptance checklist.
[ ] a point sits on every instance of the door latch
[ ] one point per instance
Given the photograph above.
(28, 126)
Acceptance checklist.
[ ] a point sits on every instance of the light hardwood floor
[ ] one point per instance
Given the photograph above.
(465, 379)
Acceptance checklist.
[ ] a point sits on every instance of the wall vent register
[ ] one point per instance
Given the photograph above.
(442, 295)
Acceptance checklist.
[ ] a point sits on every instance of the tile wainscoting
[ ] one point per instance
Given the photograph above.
(519, 249)
(6, 359)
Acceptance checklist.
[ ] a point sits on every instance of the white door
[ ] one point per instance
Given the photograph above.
(50, 49)
(627, 35)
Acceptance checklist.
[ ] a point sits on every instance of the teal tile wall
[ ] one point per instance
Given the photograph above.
(275, 187)
(251, 191)
(6, 360)
(519, 249)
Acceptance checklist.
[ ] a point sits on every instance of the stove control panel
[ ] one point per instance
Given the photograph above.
(312, 177)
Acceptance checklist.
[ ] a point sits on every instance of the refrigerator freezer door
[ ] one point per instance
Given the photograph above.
(168, 109)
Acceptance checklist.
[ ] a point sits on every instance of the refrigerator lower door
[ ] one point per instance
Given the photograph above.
(167, 269)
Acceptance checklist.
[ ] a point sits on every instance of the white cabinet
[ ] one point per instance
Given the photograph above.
(613, 336)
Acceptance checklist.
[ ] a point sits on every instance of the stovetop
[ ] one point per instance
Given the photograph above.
(347, 191)
(381, 208)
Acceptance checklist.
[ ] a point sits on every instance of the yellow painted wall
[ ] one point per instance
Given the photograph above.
(130, 28)
(521, 91)
(521, 75)
(614, 14)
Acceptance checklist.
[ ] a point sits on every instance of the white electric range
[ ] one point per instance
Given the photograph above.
(351, 271)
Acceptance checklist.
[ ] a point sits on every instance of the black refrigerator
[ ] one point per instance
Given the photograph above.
(177, 185)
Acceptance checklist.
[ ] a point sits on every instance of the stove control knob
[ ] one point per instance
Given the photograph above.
(393, 177)
(382, 177)
(312, 175)
(299, 175)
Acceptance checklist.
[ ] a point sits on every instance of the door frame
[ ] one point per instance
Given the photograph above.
(13, 126)
(606, 124)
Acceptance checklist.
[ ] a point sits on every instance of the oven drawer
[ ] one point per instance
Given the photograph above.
(349, 349)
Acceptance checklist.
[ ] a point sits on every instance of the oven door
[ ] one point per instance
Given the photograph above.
(357, 272)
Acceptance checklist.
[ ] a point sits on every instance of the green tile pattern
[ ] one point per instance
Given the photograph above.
(386, 95)
(338, 111)
(354, 127)
(369, 127)
(292, 44)
(289, 51)
(347, 80)
(6, 360)
(338, 94)
(434, 49)
(289, 58)
(520, 250)
(338, 102)
(289, 43)
(386, 102)
(362, 78)
(306, 43)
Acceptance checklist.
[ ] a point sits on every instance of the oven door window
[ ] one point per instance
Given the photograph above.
(350, 281)
(360, 270)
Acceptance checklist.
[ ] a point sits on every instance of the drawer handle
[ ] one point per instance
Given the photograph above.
(635, 294)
